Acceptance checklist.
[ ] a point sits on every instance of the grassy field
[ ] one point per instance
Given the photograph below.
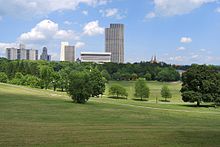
(33, 117)
(155, 88)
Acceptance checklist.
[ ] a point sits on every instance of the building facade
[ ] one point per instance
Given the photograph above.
(44, 55)
(21, 54)
(67, 52)
(96, 57)
(114, 42)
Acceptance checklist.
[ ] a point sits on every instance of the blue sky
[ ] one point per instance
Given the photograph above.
(177, 31)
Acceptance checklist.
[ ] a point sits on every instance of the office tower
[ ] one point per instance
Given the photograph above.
(44, 55)
(96, 57)
(62, 52)
(21, 53)
(114, 42)
(67, 52)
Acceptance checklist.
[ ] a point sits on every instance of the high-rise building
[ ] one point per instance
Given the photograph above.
(62, 52)
(97, 57)
(44, 55)
(67, 52)
(114, 42)
(21, 53)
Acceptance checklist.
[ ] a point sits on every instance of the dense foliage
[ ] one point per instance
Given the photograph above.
(141, 89)
(201, 83)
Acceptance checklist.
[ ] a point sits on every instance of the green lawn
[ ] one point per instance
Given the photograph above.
(33, 117)
(155, 88)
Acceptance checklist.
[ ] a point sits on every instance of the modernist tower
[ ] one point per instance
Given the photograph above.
(67, 52)
(114, 42)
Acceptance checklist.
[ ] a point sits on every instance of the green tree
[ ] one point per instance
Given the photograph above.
(46, 75)
(79, 87)
(3, 77)
(147, 76)
(165, 92)
(201, 83)
(106, 75)
(55, 80)
(97, 83)
(168, 75)
(117, 91)
(141, 89)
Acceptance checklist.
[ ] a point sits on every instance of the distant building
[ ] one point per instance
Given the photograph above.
(67, 52)
(44, 55)
(21, 53)
(154, 60)
(114, 42)
(96, 57)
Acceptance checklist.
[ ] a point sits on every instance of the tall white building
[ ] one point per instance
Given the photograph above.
(97, 57)
(21, 53)
(62, 52)
(114, 42)
(67, 52)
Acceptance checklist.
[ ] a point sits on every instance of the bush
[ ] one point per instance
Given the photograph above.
(3, 77)
(117, 90)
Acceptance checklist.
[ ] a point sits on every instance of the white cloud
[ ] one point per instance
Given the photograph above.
(218, 10)
(80, 45)
(203, 50)
(29, 8)
(150, 15)
(194, 56)
(185, 40)
(181, 48)
(177, 58)
(178, 7)
(67, 22)
(45, 31)
(92, 28)
(85, 12)
(113, 12)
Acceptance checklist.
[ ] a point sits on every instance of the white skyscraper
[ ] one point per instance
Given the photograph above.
(62, 52)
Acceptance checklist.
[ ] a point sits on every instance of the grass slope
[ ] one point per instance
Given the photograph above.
(33, 117)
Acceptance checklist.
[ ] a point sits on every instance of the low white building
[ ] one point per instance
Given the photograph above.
(96, 57)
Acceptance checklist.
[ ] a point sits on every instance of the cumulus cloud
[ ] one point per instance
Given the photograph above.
(92, 28)
(185, 40)
(85, 12)
(23, 8)
(113, 12)
(181, 48)
(178, 7)
(80, 45)
(45, 31)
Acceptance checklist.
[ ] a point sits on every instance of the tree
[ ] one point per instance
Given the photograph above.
(165, 92)
(46, 75)
(117, 91)
(55, 80)
(147, 76)
(168, 75)
(201, 83)
(79, 87)
(3, 77)
(141, 89)
(97, 83)
(106, 75)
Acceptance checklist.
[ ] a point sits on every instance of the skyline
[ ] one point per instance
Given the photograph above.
(178, 32)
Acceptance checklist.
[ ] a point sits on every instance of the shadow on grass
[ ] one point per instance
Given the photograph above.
(195, 106)
(140, 99)
(164, 100)
(114, 97)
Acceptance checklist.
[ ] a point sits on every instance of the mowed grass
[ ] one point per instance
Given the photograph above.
(33, 117)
